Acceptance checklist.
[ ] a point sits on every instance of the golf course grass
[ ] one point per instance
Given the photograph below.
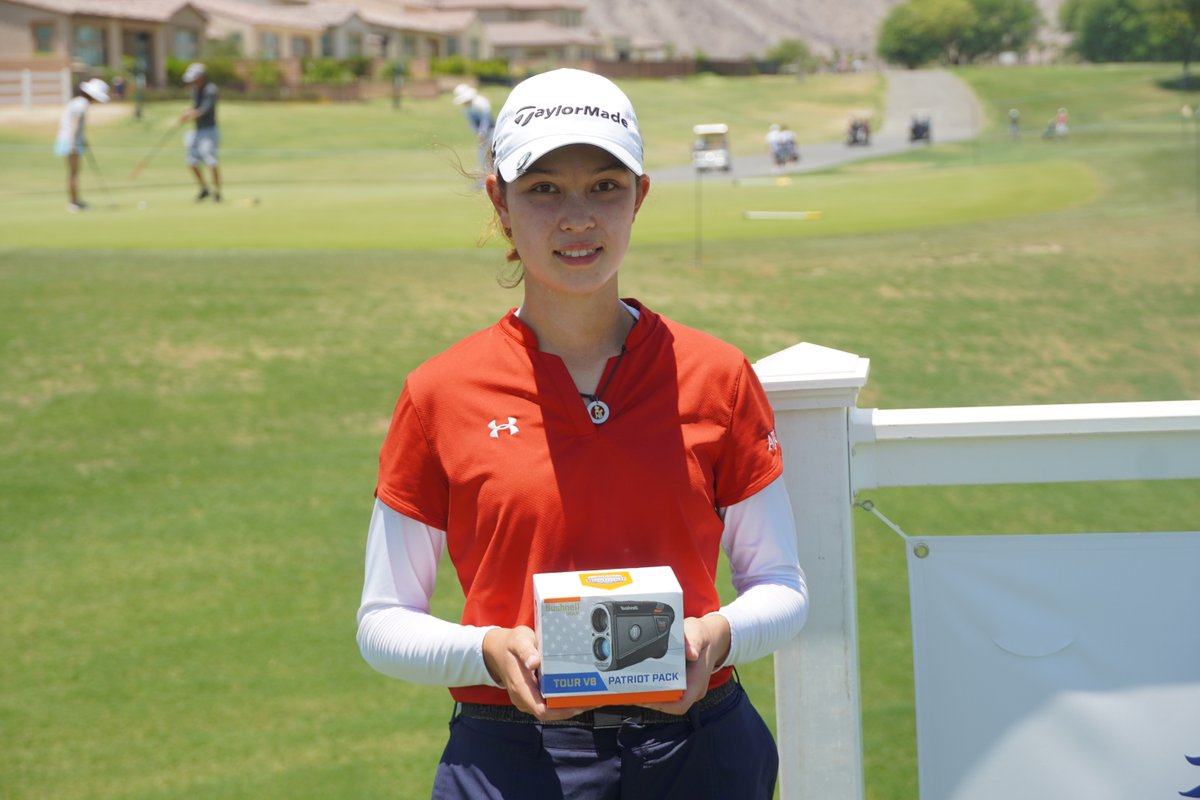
(192, 396)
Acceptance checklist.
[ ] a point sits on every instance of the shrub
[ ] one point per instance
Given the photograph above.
(266, 74)
(493, 70)
(221, 71)
(175, 68)
(358, 66)
(331, 71)
(450, 65)
(794, 53)
(388, 70)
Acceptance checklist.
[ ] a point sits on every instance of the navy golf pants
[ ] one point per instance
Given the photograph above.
(723, 753)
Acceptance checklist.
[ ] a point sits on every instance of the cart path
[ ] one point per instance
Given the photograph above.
(952, 107)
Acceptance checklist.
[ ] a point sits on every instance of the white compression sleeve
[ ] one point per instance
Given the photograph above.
(772, 602)
(396, 633)
(398, 636)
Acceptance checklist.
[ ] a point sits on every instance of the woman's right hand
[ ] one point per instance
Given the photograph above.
(512, 658)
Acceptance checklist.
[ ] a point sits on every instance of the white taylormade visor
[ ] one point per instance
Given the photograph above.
(560, 108)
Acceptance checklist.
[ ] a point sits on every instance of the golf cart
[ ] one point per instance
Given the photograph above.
(921, 129)
(711, 148)
(859, 131)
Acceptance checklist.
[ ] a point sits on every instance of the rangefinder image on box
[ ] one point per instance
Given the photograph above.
(610, 637)
(626, 633)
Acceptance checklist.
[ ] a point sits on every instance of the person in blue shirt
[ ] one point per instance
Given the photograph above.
(479, 116)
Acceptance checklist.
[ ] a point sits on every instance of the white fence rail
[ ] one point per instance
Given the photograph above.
(29, 87)
(1025, 444)
(835, 449)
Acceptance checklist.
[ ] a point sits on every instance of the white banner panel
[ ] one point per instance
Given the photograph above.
(1057, 667)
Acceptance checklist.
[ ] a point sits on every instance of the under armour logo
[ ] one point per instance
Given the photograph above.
(772, 442)
(1194, 761)
(510, 426)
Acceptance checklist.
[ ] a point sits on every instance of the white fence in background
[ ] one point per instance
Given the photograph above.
(834, 450)
(30, 87)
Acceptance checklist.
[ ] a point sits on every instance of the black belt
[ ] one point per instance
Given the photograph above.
(603, 717)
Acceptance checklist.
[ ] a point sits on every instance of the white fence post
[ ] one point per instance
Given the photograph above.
(818, 716)
(27, 88)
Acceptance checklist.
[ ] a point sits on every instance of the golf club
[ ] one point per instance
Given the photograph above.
(99, 176)
(137, 170)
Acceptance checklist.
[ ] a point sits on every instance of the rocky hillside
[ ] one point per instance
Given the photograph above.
(740, 28)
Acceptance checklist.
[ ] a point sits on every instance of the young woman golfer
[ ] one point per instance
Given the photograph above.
(581, 431)
(72, 138)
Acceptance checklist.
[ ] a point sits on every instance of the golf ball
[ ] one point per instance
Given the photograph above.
(141, 205)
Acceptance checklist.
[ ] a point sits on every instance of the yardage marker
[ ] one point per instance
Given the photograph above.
(778, 180)
(801, 215)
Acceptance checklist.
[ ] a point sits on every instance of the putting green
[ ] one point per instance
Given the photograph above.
(450, 214)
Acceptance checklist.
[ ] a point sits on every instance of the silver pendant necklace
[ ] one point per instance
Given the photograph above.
(597, 409)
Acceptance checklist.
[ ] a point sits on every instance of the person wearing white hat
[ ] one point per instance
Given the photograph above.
(478, 110)
(772, 140)
(581, 431)
(202, 143)
(71, 140)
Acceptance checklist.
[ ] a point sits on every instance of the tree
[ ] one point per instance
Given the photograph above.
(1134, 30)
(792, 53)
(1110, 30)
(1178, 22)
(1068, 14)
(902, 38)
(919, 31)
(1001, 25)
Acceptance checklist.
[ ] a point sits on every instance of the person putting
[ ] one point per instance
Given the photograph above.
(478, 111)
(582, 430)
(71, 140)
(201, 144)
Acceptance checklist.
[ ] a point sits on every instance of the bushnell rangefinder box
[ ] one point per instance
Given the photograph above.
(610, 637)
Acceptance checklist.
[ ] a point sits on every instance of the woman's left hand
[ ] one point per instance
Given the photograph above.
(706, 643)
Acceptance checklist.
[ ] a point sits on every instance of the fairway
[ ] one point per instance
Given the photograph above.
(192, 396)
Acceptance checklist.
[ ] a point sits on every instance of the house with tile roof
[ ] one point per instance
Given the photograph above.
(102, 33)
(564, 13)
(529, 32)
(341, 29)
(406, 32)
(538, 41)
(98, 34)
(274, 32)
